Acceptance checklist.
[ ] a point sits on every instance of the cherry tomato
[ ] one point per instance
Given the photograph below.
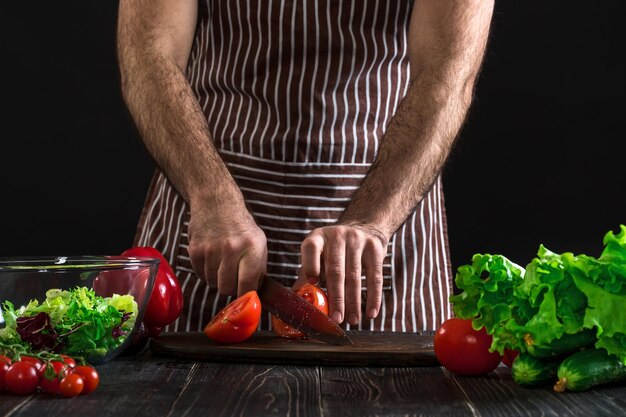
(90, 377)
(68, 360)
(38, 364)
(509, 356)
(21, 377)
(463, 350)
(313, 295)
(5, 359)
(4, 367)
(237, 321)
(72, 385)
(54, 372)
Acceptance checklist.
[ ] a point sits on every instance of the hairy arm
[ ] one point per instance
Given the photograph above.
(447, 40)
(154, 43)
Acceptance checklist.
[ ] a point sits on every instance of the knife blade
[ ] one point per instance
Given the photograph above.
(299, 313)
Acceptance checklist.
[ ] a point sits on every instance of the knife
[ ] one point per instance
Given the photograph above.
(299, 313)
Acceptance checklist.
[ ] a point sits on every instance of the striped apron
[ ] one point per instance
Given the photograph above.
(297, 95)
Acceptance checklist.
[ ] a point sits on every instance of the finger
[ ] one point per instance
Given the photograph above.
(299, 283)
(311, 252)
(211, 265)
(196, 256)
(227, 276)
(373, 255)
(251, 266)
(353, 282)
(334, 268)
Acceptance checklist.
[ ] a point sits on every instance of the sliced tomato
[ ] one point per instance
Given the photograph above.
(237, 321)
(313, 295)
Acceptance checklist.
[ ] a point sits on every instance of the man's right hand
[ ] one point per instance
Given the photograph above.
(227, 249)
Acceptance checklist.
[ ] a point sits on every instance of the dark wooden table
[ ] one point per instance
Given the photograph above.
(148, 385)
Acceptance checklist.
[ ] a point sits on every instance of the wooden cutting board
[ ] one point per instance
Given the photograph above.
(369, 349)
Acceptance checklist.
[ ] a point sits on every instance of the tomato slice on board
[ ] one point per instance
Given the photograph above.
(313, 295)
(237, 321)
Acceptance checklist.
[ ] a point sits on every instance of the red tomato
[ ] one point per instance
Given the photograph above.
(72, 385)
(38, 364)
(313, 295)
(509, 356)
(4, 367)
(21, 377)
(69, 360)
(237, 321)
(463, 350)
(5, 359)
(54, 372)
(90, 377)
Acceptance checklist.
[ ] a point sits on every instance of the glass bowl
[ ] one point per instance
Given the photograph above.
(68, 290)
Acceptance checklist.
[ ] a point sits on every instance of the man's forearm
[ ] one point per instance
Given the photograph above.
(422, 131)
(410, 157)
(168, 116)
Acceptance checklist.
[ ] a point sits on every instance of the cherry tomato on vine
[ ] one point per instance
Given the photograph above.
(5, 359)
(54, 371)
(90, 377)
(314, 295)
(72, 385)
(68, 360)
(38, 364)
(4, 367)
(237, 321)
(463, 350)
(22, 377)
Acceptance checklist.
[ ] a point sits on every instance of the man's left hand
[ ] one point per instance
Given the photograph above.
(340, 254)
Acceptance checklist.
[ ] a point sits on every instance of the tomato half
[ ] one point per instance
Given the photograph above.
(237, 321)
(313, 295)
(463, 350)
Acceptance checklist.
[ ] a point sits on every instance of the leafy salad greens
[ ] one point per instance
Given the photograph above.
(75, 322)
(553, 296)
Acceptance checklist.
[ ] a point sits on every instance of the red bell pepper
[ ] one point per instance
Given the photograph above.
(166, 300)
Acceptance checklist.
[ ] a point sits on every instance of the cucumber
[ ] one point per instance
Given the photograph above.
(532, 372)
(589, 368)
(566, 345)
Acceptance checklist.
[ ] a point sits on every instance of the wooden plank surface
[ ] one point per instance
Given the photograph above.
(369, 349)
(224, 390)
(424, 391)
(160, 386)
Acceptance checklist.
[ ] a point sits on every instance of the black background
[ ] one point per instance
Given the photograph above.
(539, 160)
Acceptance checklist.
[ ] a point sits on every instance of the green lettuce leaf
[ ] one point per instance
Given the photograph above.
(88, 325)
(556, 294)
